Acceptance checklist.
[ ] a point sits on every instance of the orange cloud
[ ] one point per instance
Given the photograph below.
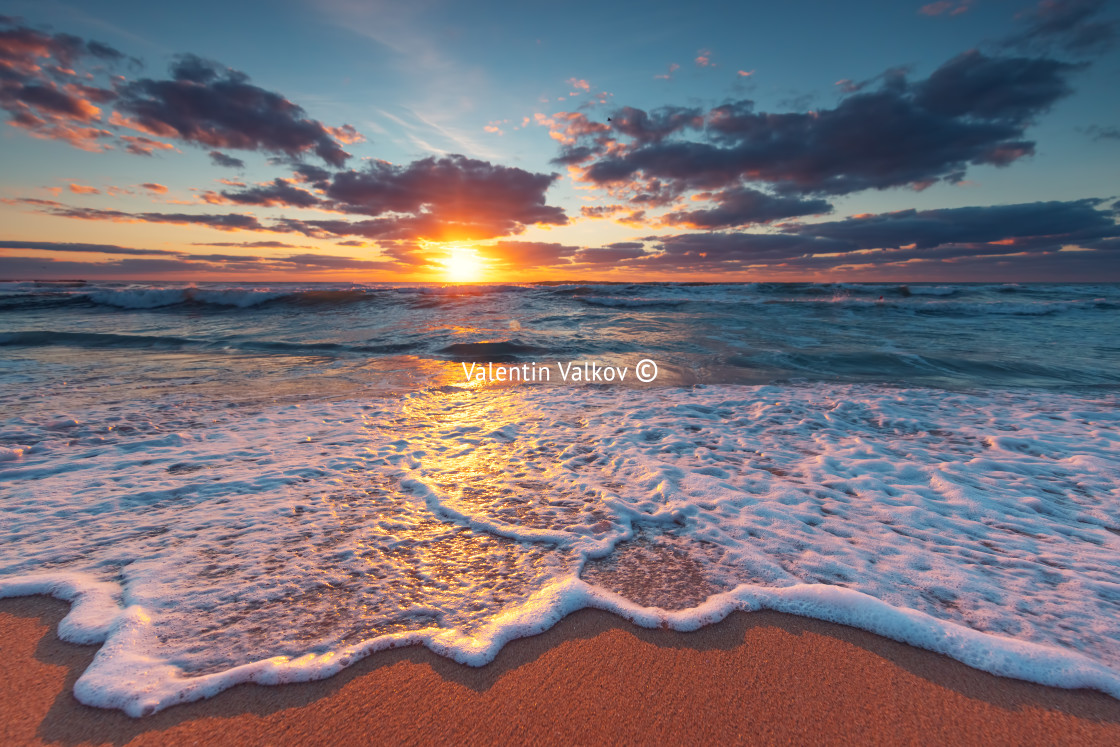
(144, 146)
(566, 127)
(345, 134)
(83, 138)
(495, 126)
(158, 129)
(82, 189)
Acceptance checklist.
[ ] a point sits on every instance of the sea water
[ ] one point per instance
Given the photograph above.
(267, 483)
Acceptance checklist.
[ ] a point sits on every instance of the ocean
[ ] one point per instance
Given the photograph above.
(266, 483)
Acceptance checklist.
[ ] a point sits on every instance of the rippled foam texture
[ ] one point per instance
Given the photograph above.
(209, 542)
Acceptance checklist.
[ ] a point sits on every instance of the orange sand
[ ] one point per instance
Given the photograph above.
(759, 678)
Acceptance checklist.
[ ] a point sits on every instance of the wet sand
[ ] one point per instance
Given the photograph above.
(759, 678)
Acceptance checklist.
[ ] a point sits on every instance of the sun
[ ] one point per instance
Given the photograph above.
(462, 265)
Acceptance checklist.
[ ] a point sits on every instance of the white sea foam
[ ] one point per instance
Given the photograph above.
(207, 545)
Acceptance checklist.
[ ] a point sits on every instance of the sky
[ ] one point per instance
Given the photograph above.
(290, 140)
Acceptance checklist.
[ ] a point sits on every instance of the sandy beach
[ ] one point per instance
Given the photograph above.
(758, 678)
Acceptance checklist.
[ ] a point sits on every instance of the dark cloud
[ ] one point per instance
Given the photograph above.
(452, 182)
(324, 261)
(143, 146)
(252, 244)
(1049, 224)
(214, 106)
(279, 192)
(453, 197)
(221, 159)
(105, 52)
(573, 154)
(309, 173)
(17, 268)
(20, 46)
(1070, 25)
(61, 246)
(31, 201)
(609, 255)
(600, 211)
(1029, 232)
(973, 110)
(741, 206)
(736, 250)
(655, 126)
(997, 89)
(51, 99)
(385, 229)
(1102, 133)
(47, 87)
(449, 198)
(222, 221)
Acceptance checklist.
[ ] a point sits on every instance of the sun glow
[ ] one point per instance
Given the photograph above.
(462, 265)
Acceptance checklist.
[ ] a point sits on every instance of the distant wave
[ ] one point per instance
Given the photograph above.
(47, 338)
(28, 296)
(490, 351)
(232, 297)
(945, 298)
(630, 303)
(1026, 308)
(44, 338)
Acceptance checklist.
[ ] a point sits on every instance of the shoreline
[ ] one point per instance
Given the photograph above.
(593, 677)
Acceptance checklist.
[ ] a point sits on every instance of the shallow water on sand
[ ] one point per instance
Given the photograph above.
(267, 483)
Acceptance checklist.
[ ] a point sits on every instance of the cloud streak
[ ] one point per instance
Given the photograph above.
(62, 246)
